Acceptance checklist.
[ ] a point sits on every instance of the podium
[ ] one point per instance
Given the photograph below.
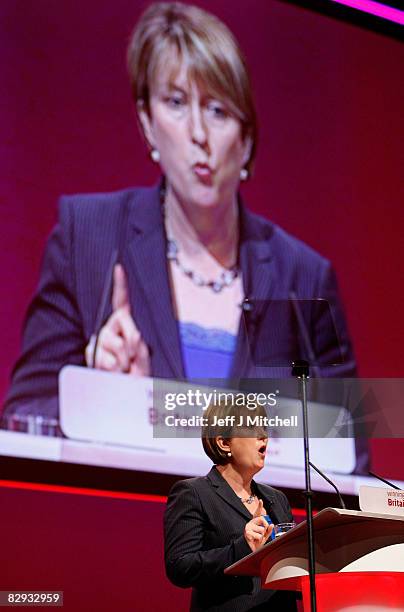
(359, 562)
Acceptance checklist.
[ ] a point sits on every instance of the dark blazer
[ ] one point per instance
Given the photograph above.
(76, 269)
(203, 529)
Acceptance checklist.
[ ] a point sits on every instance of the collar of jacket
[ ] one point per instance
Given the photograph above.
(225, 491)
(147, 250)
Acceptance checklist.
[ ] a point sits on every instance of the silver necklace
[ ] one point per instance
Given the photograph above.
(225, 279)
(248, 500)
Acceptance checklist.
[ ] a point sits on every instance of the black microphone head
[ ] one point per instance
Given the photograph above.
(300, 367)
(247, 305)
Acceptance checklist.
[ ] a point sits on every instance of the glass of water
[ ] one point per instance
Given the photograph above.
(282, 528)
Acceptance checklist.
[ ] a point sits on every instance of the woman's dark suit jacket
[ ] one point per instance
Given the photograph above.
(204, 526)
(76, 271)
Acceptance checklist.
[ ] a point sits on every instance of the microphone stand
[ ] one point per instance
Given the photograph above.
(300, 369)
(341, 501)
(387, 482)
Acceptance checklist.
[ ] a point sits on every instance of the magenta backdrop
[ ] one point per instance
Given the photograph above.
(105, 554)
(330, 99)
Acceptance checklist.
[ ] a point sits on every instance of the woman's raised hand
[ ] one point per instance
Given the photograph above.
(258, 530)
(120, 347)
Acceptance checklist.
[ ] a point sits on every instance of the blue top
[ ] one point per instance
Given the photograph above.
(206, 352)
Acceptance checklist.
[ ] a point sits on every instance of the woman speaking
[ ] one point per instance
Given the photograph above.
(214, 521)
(151, 281)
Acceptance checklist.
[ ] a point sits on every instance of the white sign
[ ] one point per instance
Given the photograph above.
(381, 500)
(118, 409)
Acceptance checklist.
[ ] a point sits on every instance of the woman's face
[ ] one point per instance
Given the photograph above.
(200, 144)
(248, 454)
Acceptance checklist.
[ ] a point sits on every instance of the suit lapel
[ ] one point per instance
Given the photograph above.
(224, 490)
(146, 252)
(255, 262)
(148, 263)
(270, 503)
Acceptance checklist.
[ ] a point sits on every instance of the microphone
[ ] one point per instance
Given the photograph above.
(249, 309)
(341, 501)
(103, 304)
(247, 305)
(305, 334)
(107, 287)
(387, 482)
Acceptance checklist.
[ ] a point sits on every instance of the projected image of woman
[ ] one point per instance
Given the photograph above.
(181, 256)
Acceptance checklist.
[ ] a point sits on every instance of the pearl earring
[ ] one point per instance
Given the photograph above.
(229, 454)
(155, 155)
(243, 174)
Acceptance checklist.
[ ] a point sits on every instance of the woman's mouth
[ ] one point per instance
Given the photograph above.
(203, 172)
(262, 451)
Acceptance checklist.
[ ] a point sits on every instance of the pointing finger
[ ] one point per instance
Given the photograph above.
(122, 324)
(115, 345)
(258, 511)
(120, 296)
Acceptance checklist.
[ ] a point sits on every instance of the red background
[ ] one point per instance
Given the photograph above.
(104, 554)
(103, 550)
(329, 168)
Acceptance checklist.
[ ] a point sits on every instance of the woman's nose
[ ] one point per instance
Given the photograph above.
(198, 129)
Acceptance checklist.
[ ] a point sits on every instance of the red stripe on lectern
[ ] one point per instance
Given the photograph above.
(161, 499)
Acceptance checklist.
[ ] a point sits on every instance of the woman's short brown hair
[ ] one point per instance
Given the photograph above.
(211, 432)
(210, 50)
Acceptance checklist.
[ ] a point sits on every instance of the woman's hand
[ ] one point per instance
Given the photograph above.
(120, 347)
(258, 530)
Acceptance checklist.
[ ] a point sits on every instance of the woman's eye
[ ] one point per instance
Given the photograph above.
(175, 101)
(217, 110)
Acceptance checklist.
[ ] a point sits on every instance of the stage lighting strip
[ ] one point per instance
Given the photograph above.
(375, 8)
(161, 499)
(49, 488)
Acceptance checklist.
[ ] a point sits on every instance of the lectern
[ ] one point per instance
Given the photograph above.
(359, 562)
